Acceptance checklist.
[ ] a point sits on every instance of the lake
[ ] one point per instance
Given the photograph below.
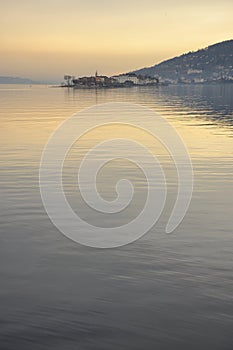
(163, 291)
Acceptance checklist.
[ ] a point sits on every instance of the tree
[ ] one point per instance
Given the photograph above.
(68, 78)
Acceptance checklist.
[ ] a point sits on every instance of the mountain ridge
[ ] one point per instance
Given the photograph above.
(213, 63)
(20, 80)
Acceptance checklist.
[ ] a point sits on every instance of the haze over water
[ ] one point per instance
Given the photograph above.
(163, 291)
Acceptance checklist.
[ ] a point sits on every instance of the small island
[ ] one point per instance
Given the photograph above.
(116, 81)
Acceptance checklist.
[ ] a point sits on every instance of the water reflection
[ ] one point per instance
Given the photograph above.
(208, 103)
(165, 292)
(212, 103)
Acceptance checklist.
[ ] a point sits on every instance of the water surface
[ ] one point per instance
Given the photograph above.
(161, 292)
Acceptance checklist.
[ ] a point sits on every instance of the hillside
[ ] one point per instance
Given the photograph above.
(214, 63)
(15, 80)
(19, 80)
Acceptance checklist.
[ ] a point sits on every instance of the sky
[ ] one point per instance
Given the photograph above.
(46, 39)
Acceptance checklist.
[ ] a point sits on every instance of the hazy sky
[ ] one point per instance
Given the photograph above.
(45, 39)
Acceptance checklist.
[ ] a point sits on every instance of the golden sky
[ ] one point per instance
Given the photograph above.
(49, 38)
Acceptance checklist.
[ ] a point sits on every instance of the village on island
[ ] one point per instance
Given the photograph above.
(116, 81)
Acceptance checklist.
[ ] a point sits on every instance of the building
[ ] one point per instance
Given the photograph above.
(122, 80)
(136, 79)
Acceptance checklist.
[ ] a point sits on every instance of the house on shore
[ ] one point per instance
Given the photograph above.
(136, 79)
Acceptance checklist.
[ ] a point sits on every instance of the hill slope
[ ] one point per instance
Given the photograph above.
(214, 63)
(20, 80)
(15, 80)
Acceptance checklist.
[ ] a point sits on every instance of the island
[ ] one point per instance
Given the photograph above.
(116, 81)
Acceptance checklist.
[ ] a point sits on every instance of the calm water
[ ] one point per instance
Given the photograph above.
(161, 292)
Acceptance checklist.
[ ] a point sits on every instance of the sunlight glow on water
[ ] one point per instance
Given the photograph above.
(175, 291)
